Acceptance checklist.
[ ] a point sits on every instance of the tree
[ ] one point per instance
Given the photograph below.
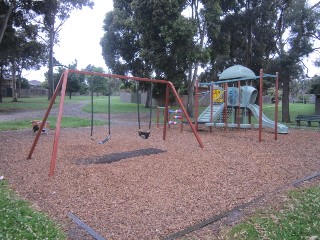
(246, 36)
(315, 86)
(55, 13)
(145, 38)
(96, 84)
(166, 38)
(75, 83)
(315, 89)
(297, 26)
(5, 18)
(274, 35)
(19, 48)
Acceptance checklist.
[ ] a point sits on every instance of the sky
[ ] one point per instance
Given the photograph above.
(80, 39)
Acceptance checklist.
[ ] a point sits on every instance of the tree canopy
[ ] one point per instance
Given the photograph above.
(157, 38)
(53, 14)
(20, 47)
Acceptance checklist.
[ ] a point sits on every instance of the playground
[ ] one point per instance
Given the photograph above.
(151, 196)
(128, 185)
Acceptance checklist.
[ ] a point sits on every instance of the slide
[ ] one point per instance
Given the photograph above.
(266, 122)
(205, 115)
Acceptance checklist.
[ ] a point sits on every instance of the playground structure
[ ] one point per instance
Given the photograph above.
(61, 87)
(226, 103)
(233, 106)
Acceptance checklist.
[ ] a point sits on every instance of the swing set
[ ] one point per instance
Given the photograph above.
(61, 87)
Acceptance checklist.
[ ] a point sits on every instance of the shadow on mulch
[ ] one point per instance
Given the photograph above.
(114, 157)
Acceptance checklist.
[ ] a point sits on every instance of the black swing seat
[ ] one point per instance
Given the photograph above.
(103, 141)
(144, 134)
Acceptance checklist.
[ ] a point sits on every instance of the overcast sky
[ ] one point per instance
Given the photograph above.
(80, 39)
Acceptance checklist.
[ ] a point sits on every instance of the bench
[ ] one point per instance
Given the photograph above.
(308, 119)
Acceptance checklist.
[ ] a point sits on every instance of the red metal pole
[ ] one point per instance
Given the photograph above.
(186, 115)
(196, 105)
(35, 141)
(260, 107)
(166, 112)
(239, 99)
(211, 105)
(118, 76)
(276, 108)
(58, 125)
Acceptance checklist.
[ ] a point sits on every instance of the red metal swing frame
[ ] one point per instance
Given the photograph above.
(62, 85)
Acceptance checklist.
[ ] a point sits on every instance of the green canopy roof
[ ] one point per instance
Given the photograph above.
(237, 71)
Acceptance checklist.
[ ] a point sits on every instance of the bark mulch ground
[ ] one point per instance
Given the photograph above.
(151, 196)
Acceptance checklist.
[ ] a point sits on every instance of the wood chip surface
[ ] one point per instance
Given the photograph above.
(153, 196)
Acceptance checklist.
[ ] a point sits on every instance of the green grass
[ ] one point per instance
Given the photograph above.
(65, 123)
(298, 219)
(295, 109)
(100, 105)
(36, 103)
(24, 104)
(19, 221)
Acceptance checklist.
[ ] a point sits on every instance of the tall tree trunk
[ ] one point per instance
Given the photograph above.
(19, 82)
(317, 105)
(148, 100)
(249, 35)
(285, 98)
(6, 19)
(1, 77)
(14, 81)
(190, 90)
(191, 83)
(50, 66)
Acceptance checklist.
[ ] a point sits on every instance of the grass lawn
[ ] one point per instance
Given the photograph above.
(24, 104)
(19, 221)
(73, 122)
(36, 103)
(299, 218)
(100, 105)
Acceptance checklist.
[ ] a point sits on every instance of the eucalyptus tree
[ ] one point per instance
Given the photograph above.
(19, 48)
(246, 36)
(97, 84)
(269, 34)
(166, 37)
(315, 89)
(54, 13)
(147, 38)
(75, 83)
(297, 27)
(206, 15)
(4, 16)
(121, 47)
